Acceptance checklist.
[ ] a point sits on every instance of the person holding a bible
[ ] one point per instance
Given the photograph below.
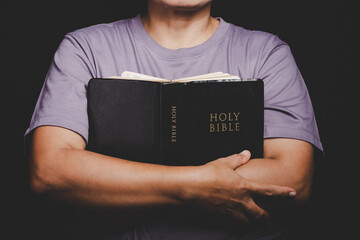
(239, 197)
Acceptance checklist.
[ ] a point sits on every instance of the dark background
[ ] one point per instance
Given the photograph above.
(320, 33)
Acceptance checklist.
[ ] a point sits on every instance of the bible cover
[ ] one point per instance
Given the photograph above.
(175, 123)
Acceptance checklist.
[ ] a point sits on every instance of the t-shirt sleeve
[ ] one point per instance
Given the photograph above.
(288, 111)
(63, 98)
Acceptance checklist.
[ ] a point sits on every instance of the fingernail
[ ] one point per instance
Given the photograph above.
(292, 194)
(246, 153)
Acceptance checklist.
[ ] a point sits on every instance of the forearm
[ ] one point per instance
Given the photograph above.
(84, 177)
(272, 171)
(294, 170)
(62, 168)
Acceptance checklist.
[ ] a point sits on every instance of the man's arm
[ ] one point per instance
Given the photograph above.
(63, 169)
(286, 162)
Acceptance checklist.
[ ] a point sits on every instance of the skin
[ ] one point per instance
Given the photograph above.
(61, 167)
(179, 24)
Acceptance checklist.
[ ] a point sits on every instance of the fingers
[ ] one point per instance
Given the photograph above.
(248, 212)
(240, 215)
(272, 190)
(236, 160)
(256, 212)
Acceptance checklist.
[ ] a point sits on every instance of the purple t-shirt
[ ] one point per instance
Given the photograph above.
(109, 49)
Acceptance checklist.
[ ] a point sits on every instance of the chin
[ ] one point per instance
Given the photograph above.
(183, 4)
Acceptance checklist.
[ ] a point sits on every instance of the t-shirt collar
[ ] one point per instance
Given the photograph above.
(176, 54)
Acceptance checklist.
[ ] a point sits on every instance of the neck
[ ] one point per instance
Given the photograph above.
(178, 28)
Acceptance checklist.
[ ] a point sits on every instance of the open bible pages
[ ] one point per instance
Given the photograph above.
(204, 77)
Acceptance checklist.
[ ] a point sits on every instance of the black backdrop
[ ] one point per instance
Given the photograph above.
(321, 34)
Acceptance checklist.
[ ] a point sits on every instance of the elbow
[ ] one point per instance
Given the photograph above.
(38, 186)
(301, 180)
(303, 194)
(303, 187)
(43, 177)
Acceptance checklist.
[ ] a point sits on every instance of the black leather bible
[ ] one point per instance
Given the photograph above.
(187, 122)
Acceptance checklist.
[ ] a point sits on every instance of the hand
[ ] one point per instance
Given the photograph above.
(227, 192)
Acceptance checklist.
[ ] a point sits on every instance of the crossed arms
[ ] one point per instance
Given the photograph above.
(63, 169)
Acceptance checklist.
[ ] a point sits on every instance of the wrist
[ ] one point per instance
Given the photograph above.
(185, 184)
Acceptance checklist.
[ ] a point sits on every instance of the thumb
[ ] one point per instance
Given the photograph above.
(236, 160)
